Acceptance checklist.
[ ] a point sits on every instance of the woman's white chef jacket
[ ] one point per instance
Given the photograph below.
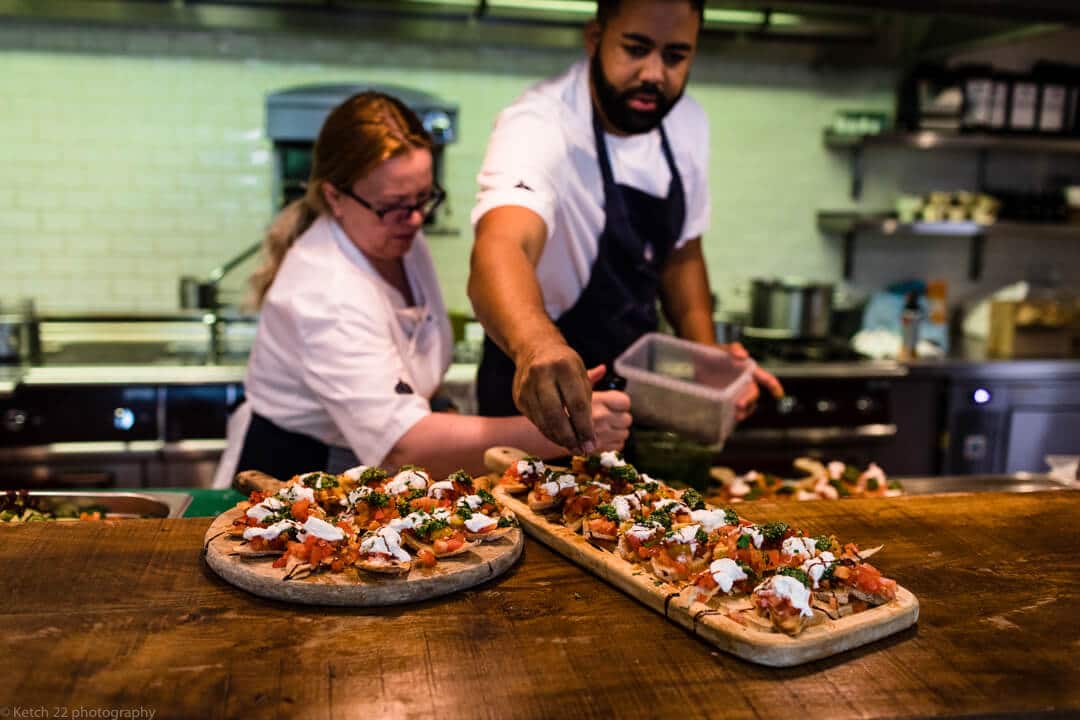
(337, 350)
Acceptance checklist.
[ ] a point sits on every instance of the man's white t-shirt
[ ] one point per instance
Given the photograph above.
(542, 156)
(335, 340)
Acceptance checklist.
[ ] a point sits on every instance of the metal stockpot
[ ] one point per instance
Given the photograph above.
(791, 308)
(20, 340)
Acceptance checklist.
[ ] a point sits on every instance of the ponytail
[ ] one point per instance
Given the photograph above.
(289, 224)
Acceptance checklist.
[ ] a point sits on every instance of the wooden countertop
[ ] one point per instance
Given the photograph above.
(126, 615)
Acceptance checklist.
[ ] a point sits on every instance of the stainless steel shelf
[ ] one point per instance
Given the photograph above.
(842, 222)
(933, 140)
(981, 143)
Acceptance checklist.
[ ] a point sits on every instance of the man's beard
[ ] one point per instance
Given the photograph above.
(616, 105)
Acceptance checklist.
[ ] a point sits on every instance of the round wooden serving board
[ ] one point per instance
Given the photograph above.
(353, 587)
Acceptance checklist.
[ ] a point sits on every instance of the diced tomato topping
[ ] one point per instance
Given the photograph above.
(603, 526)
(427, 504)
(300, 509)
(426, 558)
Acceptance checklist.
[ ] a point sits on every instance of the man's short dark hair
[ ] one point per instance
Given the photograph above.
(607, 9)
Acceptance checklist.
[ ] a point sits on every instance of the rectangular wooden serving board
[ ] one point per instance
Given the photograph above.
(711, 621)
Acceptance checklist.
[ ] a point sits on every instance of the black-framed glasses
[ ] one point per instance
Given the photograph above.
(401, 213)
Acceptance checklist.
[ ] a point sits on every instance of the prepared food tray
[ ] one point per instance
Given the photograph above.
(363, 538)
(767, 592)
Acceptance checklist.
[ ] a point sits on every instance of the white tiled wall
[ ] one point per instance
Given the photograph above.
(130, 158)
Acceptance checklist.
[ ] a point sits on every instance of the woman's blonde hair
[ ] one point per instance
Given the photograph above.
(356, 138)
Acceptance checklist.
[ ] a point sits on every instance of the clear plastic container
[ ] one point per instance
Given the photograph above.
(683, 386)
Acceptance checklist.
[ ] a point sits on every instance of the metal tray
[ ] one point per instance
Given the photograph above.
(117, 504)
(1018, 483)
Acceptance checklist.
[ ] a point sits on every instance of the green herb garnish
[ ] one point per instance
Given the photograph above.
(774, 531)
(693, 500)
(372, 476)
(609, 512)
(731, 517)
(795, 573)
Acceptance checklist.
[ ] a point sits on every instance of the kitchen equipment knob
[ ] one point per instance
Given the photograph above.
(123, 418)
(15, 420)
(865, 404)
(825, 406)
(786, 405)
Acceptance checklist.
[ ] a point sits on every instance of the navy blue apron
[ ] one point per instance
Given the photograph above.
(282, 453)
(618, 305)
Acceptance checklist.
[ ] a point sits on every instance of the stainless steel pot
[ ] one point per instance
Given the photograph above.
(20, 341)
(790, 308)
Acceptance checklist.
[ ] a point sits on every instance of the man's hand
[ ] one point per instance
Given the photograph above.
(747, 402)
(552, 388)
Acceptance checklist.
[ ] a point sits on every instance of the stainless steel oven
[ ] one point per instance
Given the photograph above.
(112, 434)
(1007, 424)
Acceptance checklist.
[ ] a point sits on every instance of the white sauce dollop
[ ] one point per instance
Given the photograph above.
(479, 521)
(320, 529)
(755, 535)
(526, 468)
(386, 540)
(407, 480)
(625, 505)
(611, 459)
(272, 532)
(815, 567)
(709, 519)
(292, 493)
(553, 487)
(439, 489)
(726, 572)
(795, 592)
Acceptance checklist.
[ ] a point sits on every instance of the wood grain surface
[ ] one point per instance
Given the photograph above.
(711, 621)
(126, 615)
(353, 588)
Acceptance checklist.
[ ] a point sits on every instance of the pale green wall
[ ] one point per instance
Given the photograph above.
(133, 157)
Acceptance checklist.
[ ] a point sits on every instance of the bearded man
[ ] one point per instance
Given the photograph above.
(593, 200)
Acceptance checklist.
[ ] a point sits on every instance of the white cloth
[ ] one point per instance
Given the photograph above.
(334, 341)
(542, 156)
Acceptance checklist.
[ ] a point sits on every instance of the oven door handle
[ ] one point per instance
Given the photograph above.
(815, 435)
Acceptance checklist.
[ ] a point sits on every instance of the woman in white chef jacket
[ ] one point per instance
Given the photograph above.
(353, 336)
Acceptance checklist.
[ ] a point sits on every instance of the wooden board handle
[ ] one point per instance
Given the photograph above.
(250, 481)
(500, 457)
